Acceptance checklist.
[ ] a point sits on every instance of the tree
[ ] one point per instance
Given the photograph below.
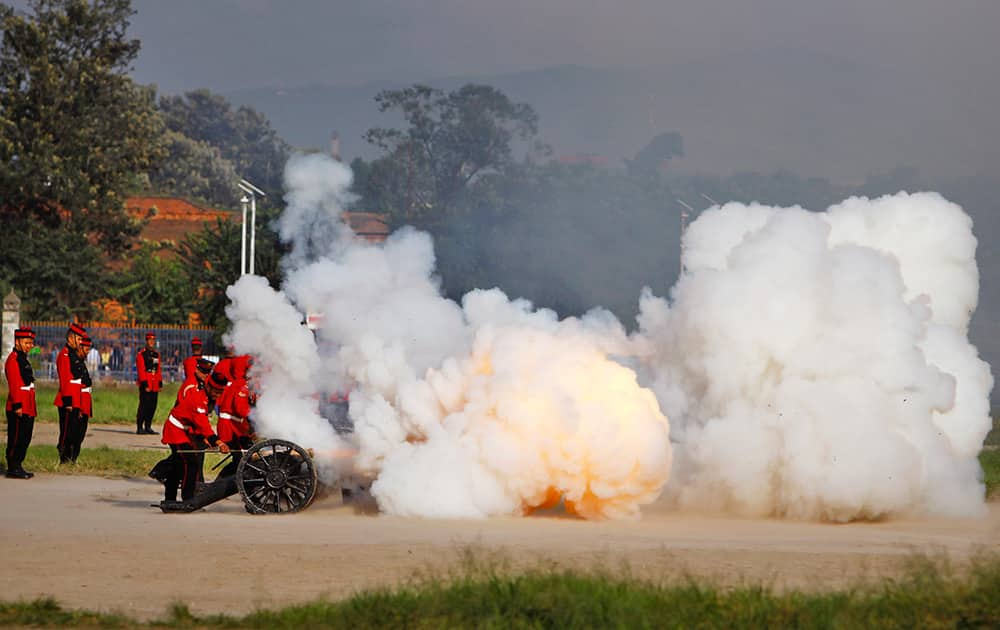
(55, 270)
(244, 137)
(196, 169)
(652, 158)
(74, 128)
(210, 264)
(154, 286)
(450, 140)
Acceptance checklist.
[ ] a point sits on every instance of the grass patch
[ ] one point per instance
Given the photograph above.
(114, 403)
(103, 461)
(930, 595)
(990, 461)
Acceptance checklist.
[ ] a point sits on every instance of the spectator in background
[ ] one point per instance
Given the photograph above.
(54, 356)
(116, 358)
(93, 360)
(106, 359)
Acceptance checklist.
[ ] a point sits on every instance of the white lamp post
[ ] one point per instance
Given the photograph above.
(243, 239)
(253, 191)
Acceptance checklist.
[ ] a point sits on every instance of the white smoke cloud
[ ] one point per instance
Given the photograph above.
(816, 365)
(486, 408)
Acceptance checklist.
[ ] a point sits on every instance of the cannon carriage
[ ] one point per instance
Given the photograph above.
(274, 476)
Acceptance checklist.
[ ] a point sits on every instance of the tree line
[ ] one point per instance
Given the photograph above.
(78, 135)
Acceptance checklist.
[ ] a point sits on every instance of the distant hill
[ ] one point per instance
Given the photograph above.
(763, 111)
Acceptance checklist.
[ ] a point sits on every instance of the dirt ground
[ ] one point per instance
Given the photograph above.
(97, 543)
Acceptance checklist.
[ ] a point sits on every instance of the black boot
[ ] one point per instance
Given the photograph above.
(18, 473)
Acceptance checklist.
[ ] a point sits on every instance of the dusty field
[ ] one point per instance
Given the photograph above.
(97, 543)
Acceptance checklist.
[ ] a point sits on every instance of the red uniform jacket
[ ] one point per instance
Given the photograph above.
(190, 384)
(225, 367)
(234, 411)
(147, 369)
(189, 365)
(189, 419)
(21, 381)
(70, 384)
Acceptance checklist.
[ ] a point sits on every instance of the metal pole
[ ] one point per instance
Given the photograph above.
(243, 239)
(253, 229)
(684, 218)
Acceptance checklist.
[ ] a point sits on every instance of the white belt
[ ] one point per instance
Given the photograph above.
(28, 387)
(86, 389)
(76, 381)
(177, 423)
(229, 416)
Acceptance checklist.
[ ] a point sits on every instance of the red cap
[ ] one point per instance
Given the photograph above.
(195, 341)
(77, 329)
(218, 379)
(204, 365)
(24, 333)
(151, 335)
(86, 342)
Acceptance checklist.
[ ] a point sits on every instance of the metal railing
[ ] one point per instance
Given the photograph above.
(116, 347)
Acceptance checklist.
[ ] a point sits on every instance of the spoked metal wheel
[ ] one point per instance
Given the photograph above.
(276, 477)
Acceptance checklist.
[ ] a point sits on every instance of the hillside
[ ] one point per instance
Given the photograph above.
(813, 114)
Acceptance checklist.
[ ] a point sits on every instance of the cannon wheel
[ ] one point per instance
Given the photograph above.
(276, 477)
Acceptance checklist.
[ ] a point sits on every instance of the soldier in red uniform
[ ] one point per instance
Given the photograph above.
(234, 426)
(203, 369)
(82, 403)
(184, 429)
(69, 367)
(150, 379)
(21, 409)
(191, 362)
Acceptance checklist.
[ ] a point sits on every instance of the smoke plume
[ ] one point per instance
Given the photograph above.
(485, 408)
(813, 365)
(816, 365)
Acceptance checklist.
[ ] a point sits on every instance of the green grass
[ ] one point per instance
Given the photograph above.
(114, 403)
(990, 461)
(929, 595)
(103, 461)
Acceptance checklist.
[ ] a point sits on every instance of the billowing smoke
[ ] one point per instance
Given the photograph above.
(813, 365)
(816, 365)
(484, 408)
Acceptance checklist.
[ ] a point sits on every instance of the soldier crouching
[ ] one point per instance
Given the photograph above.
(185, 427)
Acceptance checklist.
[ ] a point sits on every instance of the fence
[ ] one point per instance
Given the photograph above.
(116, 347)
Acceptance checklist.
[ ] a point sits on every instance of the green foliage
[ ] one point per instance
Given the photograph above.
(450, 140)
(244, 138)
(211, 262)
(55, 270)
(195, 169)
(74, 128)
(154, 286)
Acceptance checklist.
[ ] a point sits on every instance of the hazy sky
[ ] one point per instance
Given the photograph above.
(231, 44)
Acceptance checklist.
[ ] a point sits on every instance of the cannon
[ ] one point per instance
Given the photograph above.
(274, 476)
